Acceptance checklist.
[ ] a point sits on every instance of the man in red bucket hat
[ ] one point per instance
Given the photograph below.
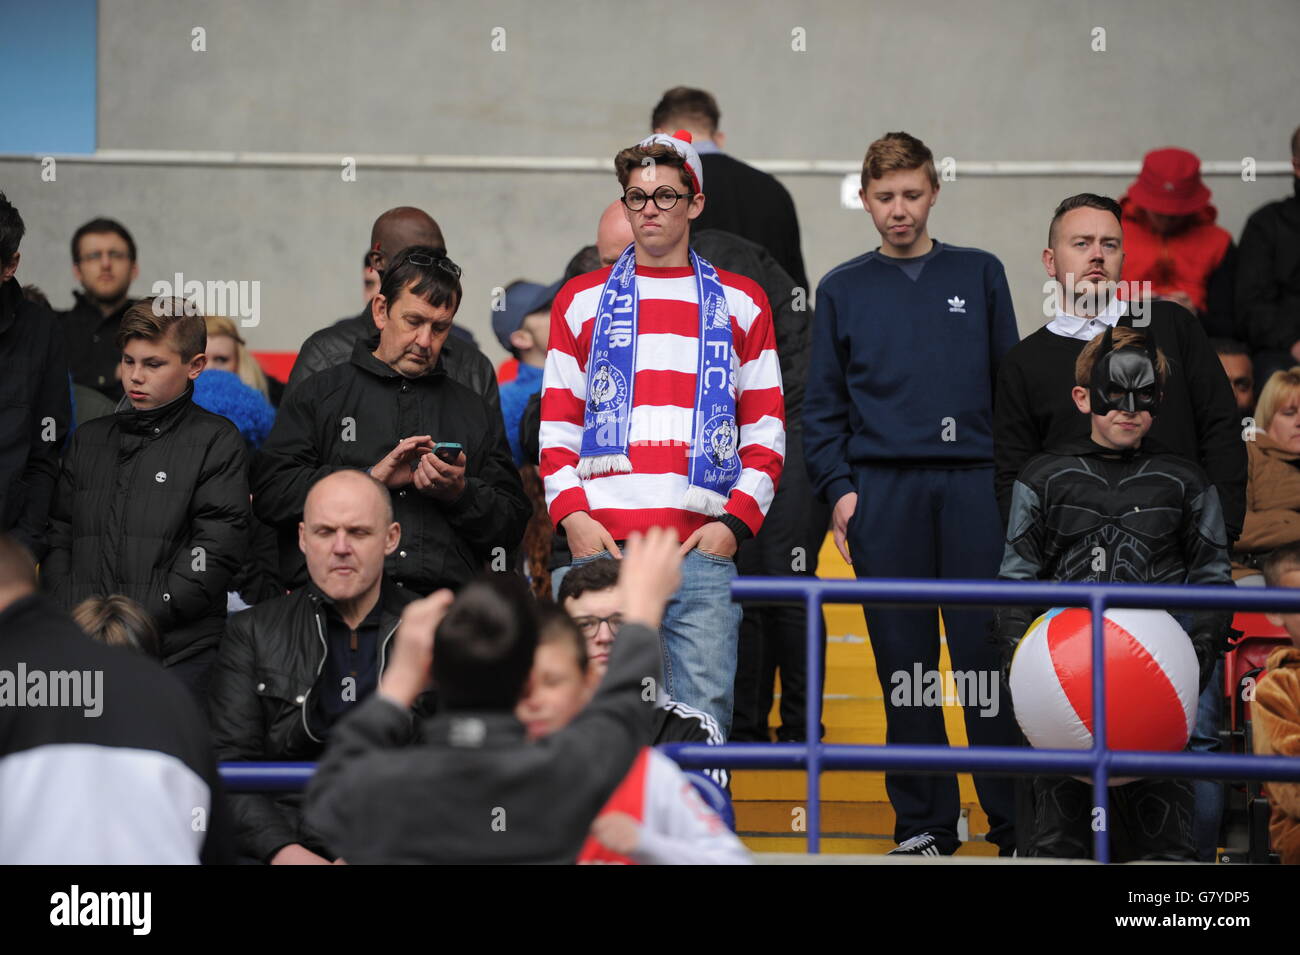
(1171, 239)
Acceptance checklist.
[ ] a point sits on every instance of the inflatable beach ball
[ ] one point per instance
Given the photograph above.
(1151, 681)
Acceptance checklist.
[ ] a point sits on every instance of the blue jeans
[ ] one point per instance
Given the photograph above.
(699, 635)
(557, 577)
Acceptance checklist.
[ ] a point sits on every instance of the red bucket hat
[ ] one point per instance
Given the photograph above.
(1170, 183)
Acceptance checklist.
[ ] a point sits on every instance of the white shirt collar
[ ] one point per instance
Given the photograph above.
(1086, 329)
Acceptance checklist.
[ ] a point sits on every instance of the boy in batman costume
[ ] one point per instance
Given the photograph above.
(1103, 510)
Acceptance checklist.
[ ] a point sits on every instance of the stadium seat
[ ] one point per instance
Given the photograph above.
(277, 364)
(1243, 667)
(1244, 662)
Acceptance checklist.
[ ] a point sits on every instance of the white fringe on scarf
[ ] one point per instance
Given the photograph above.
(600, 464)
(703, 501)
(698, 499)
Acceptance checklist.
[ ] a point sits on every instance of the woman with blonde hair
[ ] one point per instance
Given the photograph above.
(1273, 484)
(227, 351)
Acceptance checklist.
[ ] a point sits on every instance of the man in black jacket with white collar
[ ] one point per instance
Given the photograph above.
(461, 507)
(475, 790)
(289, 668)
(1032, 410)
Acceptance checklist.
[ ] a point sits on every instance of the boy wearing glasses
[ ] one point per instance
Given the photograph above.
(655, 816)
(590, 595)
(662, 407)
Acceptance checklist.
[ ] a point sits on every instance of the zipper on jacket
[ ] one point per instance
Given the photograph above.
(321, 666)
(119, 527)
(383, 647)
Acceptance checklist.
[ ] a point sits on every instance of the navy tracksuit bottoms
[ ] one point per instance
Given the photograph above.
(935, 522)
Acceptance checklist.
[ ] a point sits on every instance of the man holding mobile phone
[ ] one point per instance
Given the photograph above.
(394, 412)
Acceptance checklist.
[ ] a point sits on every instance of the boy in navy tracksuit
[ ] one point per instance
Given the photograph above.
(898, 425)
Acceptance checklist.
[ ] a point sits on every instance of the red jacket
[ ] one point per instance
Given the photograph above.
(1176, 263)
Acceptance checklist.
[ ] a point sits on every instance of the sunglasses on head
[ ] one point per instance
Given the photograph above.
(375, 257)
(419, 258)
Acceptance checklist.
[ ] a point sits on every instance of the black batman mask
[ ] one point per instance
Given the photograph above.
(1125, 380)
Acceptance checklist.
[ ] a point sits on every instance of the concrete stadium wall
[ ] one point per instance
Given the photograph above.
(1017, 80)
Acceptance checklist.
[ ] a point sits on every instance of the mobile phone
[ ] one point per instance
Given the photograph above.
(447, 451)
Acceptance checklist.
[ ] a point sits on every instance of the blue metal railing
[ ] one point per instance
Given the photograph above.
(1099, 762)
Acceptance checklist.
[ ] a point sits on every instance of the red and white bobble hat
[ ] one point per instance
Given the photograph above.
(680, 141)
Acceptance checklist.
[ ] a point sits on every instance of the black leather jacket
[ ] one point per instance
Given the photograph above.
(260, 697)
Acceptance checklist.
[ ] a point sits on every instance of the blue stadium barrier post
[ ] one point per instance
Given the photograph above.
(266, 777)
(816, 625)
(1100, 780)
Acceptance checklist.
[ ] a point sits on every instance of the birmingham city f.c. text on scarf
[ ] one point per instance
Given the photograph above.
(611, 370)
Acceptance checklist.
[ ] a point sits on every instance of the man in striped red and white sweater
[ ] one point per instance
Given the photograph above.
(667, 412)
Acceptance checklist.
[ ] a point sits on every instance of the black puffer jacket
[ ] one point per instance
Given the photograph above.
(154, 505)
(332, 346)
(34, 415)
(262, 686)
(351, 416)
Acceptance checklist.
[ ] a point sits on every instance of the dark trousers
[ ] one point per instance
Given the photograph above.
(1148, 819)
(932, 522)
(774, 639)
(195, 672)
